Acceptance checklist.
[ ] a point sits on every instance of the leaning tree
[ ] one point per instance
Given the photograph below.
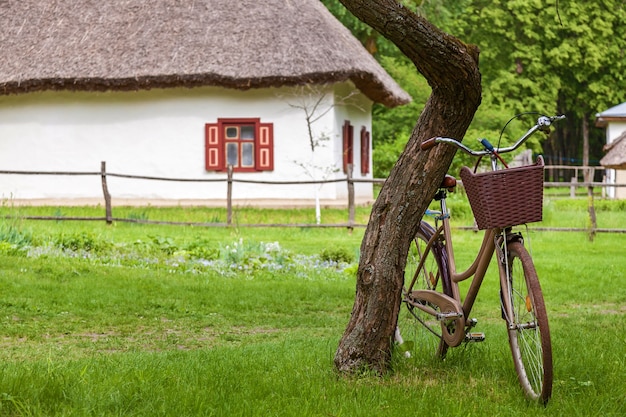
(451, 69)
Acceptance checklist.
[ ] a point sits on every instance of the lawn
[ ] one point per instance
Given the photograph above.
(147, 320)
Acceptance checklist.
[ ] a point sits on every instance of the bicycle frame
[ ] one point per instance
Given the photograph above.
(437, 278)
(492, 241)
(477, 269)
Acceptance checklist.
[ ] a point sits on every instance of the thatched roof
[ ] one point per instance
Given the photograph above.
(615, 157)
(133, 44)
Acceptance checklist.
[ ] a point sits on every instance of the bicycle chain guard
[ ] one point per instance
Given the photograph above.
(450, 314)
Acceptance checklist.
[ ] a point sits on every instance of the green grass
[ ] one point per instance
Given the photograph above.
(609, 213)
(119, 321)
(209, 215)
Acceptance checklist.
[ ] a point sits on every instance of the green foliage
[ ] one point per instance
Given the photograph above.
(488, 122)
(386, 155)
(84, 241)
(535, 54)
(138, 215)
(202, 249)
(14, 238)
(565, 57)
(11, 249)
(446, 15)
(391, 124)
(582, 204)
(351, 271)
(11, 232)
(560, 57)
(164, 244)
(392, 127)
(246, 255)
(337, 255)
(175, 253)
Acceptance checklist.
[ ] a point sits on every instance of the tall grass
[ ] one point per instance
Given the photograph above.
(112, 320)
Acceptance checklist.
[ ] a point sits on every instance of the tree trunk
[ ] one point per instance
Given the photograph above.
(451, 68)
(585, 130)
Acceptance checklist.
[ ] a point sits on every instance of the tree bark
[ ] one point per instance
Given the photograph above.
(451, 69)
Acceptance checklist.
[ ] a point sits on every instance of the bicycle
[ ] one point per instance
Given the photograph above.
(500, 200)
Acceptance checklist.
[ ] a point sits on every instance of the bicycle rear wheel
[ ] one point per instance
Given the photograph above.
(529, 334)
(422, 332)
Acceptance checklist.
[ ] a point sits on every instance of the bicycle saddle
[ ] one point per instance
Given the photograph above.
(448, 182)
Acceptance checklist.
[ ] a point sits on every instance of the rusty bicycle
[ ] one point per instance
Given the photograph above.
(501, 198)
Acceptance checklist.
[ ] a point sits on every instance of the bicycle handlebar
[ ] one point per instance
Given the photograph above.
(543, 124)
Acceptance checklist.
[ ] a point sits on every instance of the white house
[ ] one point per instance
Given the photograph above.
(614, 120)
(181, 89)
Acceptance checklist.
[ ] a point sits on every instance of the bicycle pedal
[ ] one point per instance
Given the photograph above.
(448, 316)
(475, 337)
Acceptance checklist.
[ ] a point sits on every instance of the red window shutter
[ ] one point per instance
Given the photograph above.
(348, 142)
(365, 151)
(214, 148)
(265, 147)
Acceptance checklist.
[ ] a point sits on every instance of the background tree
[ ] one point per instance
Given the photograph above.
(391, 128)
(566, 57)
(451, 69)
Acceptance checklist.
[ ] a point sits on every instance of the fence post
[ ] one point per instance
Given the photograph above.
(351, 209)
(593, 224)
(105, 191)
(229, 196)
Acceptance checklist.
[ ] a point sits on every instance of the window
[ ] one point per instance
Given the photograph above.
(348, 144)
(365, 151)
(246, 144)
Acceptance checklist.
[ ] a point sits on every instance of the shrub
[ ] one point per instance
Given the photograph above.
(337, 255)
(201, 249)
(164, 244)
(82, 242)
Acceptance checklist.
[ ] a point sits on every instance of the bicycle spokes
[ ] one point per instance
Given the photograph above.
(524, 311)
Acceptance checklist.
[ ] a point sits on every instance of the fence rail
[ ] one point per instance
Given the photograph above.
(349, 180)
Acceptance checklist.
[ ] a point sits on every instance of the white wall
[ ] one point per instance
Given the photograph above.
(613, 131)
(159, 133)
(358, 109)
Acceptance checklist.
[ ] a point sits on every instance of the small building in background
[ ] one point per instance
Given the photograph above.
(280, 91)
(614, 121)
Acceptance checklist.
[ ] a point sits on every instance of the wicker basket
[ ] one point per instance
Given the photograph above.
(506, 197)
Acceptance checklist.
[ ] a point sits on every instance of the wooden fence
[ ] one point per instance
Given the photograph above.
(349, 180)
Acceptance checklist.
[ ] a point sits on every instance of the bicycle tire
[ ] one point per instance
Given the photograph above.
(529, 332)
(421, 330)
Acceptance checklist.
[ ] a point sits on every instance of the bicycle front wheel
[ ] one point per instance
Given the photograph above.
(527, 320)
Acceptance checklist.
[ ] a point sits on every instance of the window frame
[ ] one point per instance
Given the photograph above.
(365, 151)
(347, 145)
(216, 145)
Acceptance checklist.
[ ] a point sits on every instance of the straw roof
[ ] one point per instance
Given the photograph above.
(98, 45)
(615, 157)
